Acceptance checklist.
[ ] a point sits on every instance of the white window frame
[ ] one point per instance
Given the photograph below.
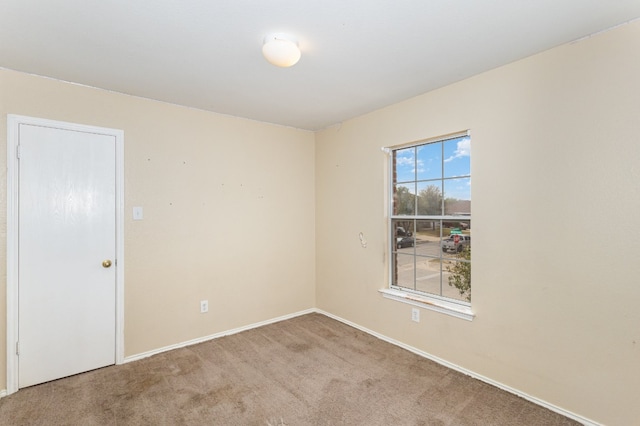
(433, 302)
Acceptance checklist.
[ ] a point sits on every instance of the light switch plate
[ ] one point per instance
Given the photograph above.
(137, 213)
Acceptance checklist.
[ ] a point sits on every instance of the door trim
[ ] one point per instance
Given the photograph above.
(13, 123)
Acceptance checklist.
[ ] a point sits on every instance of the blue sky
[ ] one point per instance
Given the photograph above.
(426, 162)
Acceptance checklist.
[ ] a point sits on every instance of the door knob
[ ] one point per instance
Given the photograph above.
(106, 263)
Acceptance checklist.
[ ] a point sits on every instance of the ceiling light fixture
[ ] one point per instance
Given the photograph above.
(281, 50)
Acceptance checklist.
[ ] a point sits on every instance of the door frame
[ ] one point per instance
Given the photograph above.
(13, 123)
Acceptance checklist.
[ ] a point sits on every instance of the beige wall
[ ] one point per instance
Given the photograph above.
(229, 211)
(556, 192)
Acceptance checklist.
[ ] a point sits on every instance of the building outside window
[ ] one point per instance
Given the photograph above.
(430, 214)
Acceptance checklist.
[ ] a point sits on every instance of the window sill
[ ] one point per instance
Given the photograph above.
(442, 306)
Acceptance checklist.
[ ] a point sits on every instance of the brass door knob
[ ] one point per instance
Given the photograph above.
(106, 263)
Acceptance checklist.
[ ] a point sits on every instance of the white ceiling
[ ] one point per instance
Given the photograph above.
(357, 55)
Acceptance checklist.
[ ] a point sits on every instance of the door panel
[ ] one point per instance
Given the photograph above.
(67, 228)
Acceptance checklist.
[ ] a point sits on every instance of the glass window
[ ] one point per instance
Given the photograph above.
(431, 219)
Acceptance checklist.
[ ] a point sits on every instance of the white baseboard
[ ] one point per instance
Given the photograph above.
(545, 404)
(215, 336)
(3, 393)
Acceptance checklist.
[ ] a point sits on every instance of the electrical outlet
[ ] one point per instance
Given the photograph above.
(138, 213)
(415, 314)
(204, 306)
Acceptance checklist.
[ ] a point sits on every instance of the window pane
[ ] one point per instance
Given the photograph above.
(404, 235)
(403, 270)
(404, 163)
(457, 197)
(429, 162)
(457, 156)
(430, 198)
(428, 275)
(455, 241)
(404, 199)
(457, 277)
(428, 237)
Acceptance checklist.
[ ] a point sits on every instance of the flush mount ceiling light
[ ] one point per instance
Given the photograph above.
(281, 50)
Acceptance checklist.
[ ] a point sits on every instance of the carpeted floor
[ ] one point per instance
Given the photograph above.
(310, 370)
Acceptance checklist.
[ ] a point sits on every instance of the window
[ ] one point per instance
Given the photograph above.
(430, 215)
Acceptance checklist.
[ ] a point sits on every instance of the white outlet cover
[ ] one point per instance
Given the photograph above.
(138, 213)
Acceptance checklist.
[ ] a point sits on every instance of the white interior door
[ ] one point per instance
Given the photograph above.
(66, 230)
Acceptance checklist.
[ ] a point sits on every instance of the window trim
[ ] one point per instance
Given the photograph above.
(432, 303)
(423, 300)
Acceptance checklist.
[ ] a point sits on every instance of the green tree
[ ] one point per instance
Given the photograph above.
(460, 277)
(404, 201)
(430, 200)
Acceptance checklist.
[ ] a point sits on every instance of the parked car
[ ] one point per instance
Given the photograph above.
(456, 243)
(400, 232)
(405, 242)
(404, 238)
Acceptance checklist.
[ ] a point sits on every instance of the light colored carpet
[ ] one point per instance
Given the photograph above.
(310, 370)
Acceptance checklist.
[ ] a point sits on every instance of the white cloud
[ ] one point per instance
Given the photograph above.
(462, 150)
(404, 161)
